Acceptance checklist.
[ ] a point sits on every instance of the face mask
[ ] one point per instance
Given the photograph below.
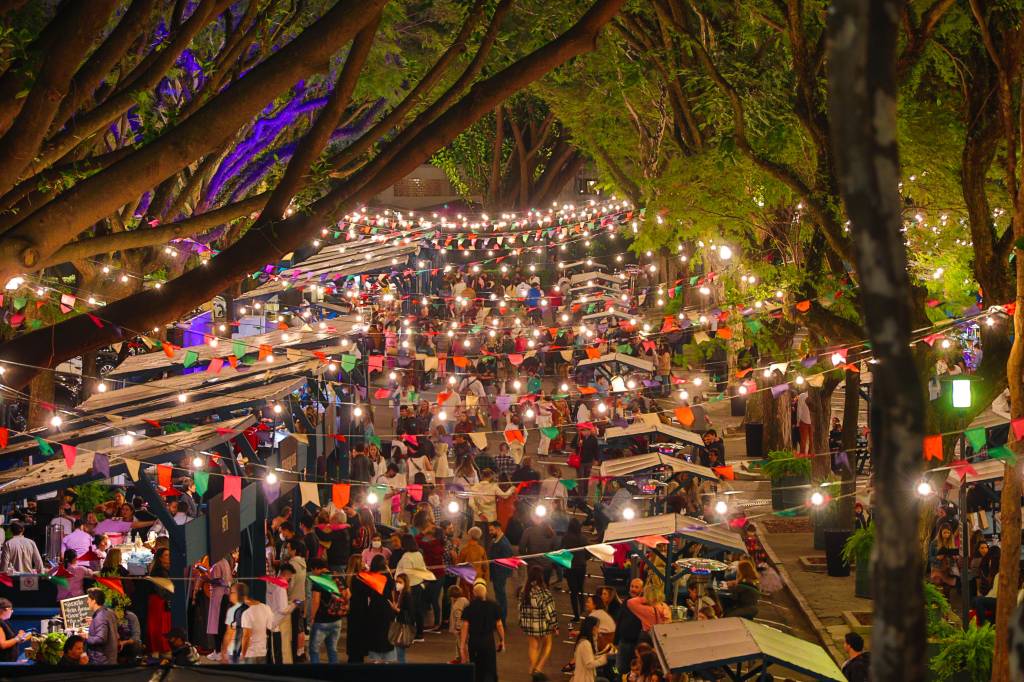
(375, 544)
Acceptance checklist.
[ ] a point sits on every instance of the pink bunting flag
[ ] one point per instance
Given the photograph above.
(232, 487)
(515, 358)
(511, 562)
(382, 393)
(376, 363)
(415, 491)
(225, 431)
(96, 321)
(738, 522)
(70, 452)
(17, 319)
(410, 439)
(215, 366)
(275, 580)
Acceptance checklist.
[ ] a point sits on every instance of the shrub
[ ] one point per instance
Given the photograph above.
(785, 464)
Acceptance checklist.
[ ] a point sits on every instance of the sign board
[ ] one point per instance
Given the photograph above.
(224, 529)
(74, 611)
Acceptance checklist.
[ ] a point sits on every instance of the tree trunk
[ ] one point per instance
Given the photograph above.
(778, 423)
(41, 388)
(851, 417)
(819, 404)
(862, 108)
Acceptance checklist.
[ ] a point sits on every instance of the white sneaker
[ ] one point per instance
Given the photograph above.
(213, 656)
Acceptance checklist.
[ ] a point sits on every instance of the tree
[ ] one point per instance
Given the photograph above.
(862, 97)
(384, 154)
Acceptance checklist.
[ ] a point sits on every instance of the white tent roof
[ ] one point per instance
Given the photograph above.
(583, 277)
(607, 313)
(628, 465)
(629, 360)
(639, 428)
(676, 524)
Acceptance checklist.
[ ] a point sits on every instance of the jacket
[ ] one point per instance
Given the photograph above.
(473, 553)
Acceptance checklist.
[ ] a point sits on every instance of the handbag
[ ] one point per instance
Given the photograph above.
(574, 460)
(401, 634)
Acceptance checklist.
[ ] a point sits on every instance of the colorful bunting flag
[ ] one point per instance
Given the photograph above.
(70, 452)
(232, 487)
(375, 581)
(562, 557)
(340, 494)
(44, 447)
(932, 448)
(327, 583)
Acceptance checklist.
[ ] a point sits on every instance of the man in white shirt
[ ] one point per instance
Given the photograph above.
(282, 607)
(803, 422)
(257, 620)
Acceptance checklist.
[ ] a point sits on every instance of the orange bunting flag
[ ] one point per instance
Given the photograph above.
(283, 326)
(652, 541)
(111, 583)
(724, 333)
(460, 361)
(442, 397)
(803, 306)
(932, 448)
(163, 475)
(593, 353)
(744, 372)
(514, 436)
(725, 472)
(265, 350)
(684, 415)
(169, 350)
(375, 581)
(70, 452)
(340, 494)
(587, 390)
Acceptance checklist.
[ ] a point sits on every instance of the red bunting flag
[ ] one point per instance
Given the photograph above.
(163, 475)
(112, 583)
(340, 438)
(275, 580)
(6, 580)
(70, 452)
(514, 436)
(725, 472)
(265, 350)
(1018, 428)
(95, 320)
(375, 581)
(963, 469)
(738, 522)
(932, 448)
(215, 366)
(232, 487)
(152, 422)
(4, 435)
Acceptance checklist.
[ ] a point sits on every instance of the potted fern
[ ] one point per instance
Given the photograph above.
(787, 473)
(857, 551)
(965, 655)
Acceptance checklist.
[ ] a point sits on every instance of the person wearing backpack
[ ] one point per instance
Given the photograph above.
(326, 612)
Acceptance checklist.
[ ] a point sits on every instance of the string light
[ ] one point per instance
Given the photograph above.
(182, 397)
(817, 499)
(721, 507)
(197, 462)
(372, 498)
(925, 489)
(271, 478)
(540, 510)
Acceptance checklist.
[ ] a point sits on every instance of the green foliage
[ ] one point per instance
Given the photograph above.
(966, 652)
(91, 494)
(937, 612)
(51, 648)
(858, 546)
(785, 464)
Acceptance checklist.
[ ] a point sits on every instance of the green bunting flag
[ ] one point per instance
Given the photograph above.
(372, 439)
(533, 385)
(976, 437)
(1003, 453)
(325, 582)
(58, 580)
(202, 479)
(753, 325)
(624, 348)
(190, 358)
(238, 348)
(786, 512)
(569, 483)
(348, 362)
(563, 557)
(177, 427)
(20, 302)
(549, 431)
(44, 447)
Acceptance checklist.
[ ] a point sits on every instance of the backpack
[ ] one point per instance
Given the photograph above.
(337, 605)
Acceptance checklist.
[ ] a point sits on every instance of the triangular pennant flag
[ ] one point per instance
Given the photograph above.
(191, 357)
(348, 362)
(168, 350)
(133, 465)
(1004, 453)
(101, 465)
(58, 580)
(232, 487)
(652, 541)
(309, 493)
(301, 437)
(265, 351)
(977, 438)
(215, 366)
(549, 431)
(326, 582)
(373, 439)
(463, 571)
(238, 348)
(562, 557)
(511, 562)
(963, 468)
(233, 361)
(604, 553)
(112, 583)
(375, 581)
(786, 512)
(70, 452)
(592, 353)
(479, 439)
(684, 415)
(340, 494)
(44, 447)
(1018, 428)
(569, 483)
(933, 448)
(163, 475)
(277, 580)
(152, 422)
(4, 435)
(202, 479)
(725, 472)
(514, 436)
(382, 393)
(6, 580)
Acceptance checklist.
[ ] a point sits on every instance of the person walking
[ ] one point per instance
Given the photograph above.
(538, 619)
(577, 571)
(412, 566)
(500, 548)
(474, 554)
(256, 622)
(325, 612)
(403, 603)
(378, 612)
(481, 621)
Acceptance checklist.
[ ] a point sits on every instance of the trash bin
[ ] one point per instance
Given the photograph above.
(834, 541)
(754, 433)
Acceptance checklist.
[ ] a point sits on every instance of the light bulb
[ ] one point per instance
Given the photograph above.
(799, 380)
(56, 421)
(101, 387)
(602, 408)
(529, 413)
(271, 478)
(697, 381)
(332, 367)
(371, 498)
(924, 489)
(454, 507)
(277, 408)
(197, 462)
(182, 397)
(540, 511)
(357, 411)
(564, 388)
(451, 381)
(817, 499)
(442, 416)
(629, 513)
(743, 390)
(392, 376)
(517, 384)
(721, 507)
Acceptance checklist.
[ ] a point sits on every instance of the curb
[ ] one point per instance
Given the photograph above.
(819, 627)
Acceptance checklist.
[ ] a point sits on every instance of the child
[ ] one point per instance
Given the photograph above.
(458, 602)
